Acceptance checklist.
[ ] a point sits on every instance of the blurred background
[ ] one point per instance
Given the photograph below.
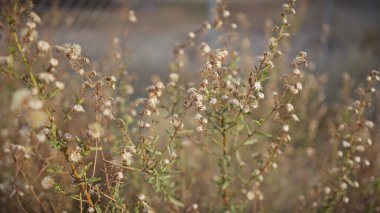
(339, 35)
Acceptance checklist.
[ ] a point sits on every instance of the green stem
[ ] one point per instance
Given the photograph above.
(11, 22)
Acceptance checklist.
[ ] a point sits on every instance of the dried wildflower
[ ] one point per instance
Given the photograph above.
(43, 46)
(296, 72)
(19, 98)
(36, 118)
(174, 77)
(129, 90)
(59, 85)
(67, 136)
(47, 182)
(36, 18)
(345, 144)
(6, 148)
(300, 59)
(35, 104)
(127, 157)
(75, 155)
(213, 101)
(191, 35)
(226, 13)
(78, 108)
(160, 85)
(235, 102)
(119, 176)
(343, 185)
(220, 54)
(285, 128)
(346, 199)
(176, 122)
(81, 72)
(369, 141)
(327, 190)
(194, 206)
(147, 125)
(250, 195)
(299, 86)
(289, 107)
(141, 197)
(295, 118)
(198, 116)
(257, 86)
(166, 161)
(265, 60)
(46, 77)
(107, 112)
(204, 48)
(111, 78)
(95, 130)
(215, 60)
(261, 95)
(73, 51)
(293, 90)
(41, 137)
(369, 124)
(31, 25)
(6, 60)
(132, 16)
(53, 62)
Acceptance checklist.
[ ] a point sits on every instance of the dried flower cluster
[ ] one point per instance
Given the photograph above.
(74, 139)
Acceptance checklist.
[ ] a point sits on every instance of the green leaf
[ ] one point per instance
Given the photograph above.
(186, 132)
(78, 100)
(225, 185)
(258, 122)
(168, 133)
(55, 168)
(98, 209)
(88, 166)
(94, 148)
(250, 142)
(175, 201)
(94, 179)
(265, 134)
(238, 157)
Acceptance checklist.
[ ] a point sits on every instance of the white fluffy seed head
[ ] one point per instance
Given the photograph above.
(78, 108)
(250, 195)
(174, 77)
(59, 85)
(43, 46)
(289, 107)
(53, 62)
(285, 128)
(346, 144)
(47, 183)
(141, 197)
(191, 35)
(119, 176)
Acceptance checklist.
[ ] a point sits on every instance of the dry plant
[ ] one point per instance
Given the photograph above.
(75, 140)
